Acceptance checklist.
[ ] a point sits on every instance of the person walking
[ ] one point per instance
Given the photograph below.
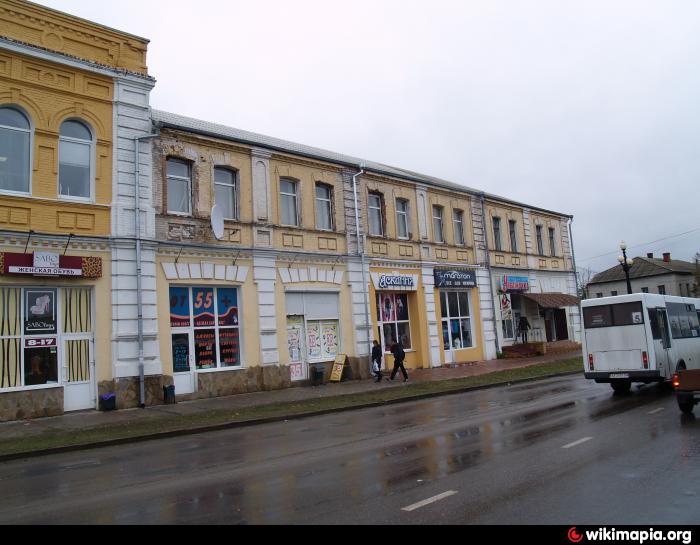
(399, 356)
(523, 326)
(377, 361)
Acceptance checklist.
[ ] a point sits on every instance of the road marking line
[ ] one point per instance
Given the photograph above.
(429, 500)
(576, 443)
(656, 410)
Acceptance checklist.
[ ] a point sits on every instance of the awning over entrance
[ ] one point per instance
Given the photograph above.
(553, 300)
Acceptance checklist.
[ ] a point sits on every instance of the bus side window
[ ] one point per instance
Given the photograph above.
(654, 323)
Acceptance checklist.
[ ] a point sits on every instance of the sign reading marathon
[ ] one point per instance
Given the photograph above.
(395, 281)
(455, 278)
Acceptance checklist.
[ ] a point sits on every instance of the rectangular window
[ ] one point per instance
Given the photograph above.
(179, 196)
(540, 244)
(209, 315)
(512, 230)
(289, 206)
(497, 243)
(458, 217)
(375, 207)
(437, 224)
(599, 295)
(456, 320)
(683, 319)
(645, 290)
(662, 290)
(621, 314)
(74, 169)
(613, 293)
(393, 320)
(324, 207)
(402, 225)
(552, 243)
(226, 192)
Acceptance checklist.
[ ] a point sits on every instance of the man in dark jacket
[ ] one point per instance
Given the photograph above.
(377, 361)
(399, 356)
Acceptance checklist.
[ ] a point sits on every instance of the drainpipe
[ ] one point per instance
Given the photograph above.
(573, 258)
(137, 233)
(361, 253)
(488, 269)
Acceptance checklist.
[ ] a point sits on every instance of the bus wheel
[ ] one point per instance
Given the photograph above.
(621, 386)
(686, 404)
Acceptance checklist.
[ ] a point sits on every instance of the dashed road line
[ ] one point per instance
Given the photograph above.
(576, 443)
(656, 410)
(429, 500)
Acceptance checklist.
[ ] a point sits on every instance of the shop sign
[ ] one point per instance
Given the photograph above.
(395, 281)
(515, 283)
(455, 278)
(49, 264)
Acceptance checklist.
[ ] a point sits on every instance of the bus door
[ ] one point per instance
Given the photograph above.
(662, 341)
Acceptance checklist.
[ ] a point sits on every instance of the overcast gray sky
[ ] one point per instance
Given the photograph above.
(589, 108)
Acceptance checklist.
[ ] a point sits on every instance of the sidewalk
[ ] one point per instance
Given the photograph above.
(80, 421)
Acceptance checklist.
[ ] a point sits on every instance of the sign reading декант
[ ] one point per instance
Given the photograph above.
(455, 278)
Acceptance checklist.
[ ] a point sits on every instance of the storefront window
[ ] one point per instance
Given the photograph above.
(393, 319)
(207, 326)
(456, 320)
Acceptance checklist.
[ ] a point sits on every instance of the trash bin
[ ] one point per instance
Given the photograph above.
(169, 394)
(108, 402)
(317, 375)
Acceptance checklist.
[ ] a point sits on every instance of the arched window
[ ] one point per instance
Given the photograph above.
(75, 160)
(15, 145)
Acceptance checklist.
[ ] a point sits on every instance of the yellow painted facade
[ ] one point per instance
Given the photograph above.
(547, 261)
(505, 257)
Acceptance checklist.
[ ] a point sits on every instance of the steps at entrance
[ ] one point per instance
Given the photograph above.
(520, 351)
(562, 346)
(531, 350)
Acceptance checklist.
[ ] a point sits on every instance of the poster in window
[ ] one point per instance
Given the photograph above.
(205, 348)
(179, 307)
(181, 352)
(387, 303)
(40, 365)
(39, 311)
(506, 307)
(313, 340)
(401, 307)
(294, 334)
(227, 306)
(203, 307)
(229, 346)
(329, 339)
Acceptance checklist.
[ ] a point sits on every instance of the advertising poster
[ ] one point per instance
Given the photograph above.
(401, 307)
(313, 340)
(205, 348)
(229, 347)
(329, 339)
(387, 306)
(40, 311)
(203, 307)
(181, 353)
(227, 306)
(179, 307)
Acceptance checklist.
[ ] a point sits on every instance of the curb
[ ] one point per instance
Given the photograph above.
(267, 420)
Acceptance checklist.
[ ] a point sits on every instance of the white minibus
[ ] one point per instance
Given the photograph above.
(640, 337)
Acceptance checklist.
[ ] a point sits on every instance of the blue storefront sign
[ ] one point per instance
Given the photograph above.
(455, 278)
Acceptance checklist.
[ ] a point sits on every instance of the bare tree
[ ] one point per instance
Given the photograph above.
(583, 277)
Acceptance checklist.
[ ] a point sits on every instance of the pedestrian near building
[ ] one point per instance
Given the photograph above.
(399, 355)
(523, 326)
(377, 361)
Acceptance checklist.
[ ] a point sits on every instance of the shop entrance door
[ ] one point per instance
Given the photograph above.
(296, 334)
(562, 330)
(78, 374)
(184, 377)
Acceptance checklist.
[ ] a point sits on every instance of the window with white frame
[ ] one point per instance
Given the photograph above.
(393, 319)
(76, 150)
(289, 202)
(438, 231)
(497, 242)
(458, 219)
(179, 195)
(324, 206)
(512, 230)
(209, 317)
(15, 146)
(402, 223)
(456, 320)
(226, 192)
(375, 209)
(540, 243)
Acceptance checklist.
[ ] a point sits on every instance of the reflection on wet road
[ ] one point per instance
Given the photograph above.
(495, 451)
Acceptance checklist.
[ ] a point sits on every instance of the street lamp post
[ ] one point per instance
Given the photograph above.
(626, 263)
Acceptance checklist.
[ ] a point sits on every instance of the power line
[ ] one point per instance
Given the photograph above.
(643, 244)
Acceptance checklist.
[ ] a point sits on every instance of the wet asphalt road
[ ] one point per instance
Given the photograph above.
(560, 451)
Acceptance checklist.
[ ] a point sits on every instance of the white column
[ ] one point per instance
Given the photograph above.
(265, 276)
(433, 329)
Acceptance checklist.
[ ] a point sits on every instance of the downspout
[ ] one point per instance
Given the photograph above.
(361, 253)
(137, 234)
(573, 258)
(488, 269)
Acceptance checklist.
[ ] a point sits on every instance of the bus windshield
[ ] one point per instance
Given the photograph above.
(613, 315)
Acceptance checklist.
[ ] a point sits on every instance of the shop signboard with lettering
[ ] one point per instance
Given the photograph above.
(514, 283)
(395, 281)
(50, 264)
(455, 278)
